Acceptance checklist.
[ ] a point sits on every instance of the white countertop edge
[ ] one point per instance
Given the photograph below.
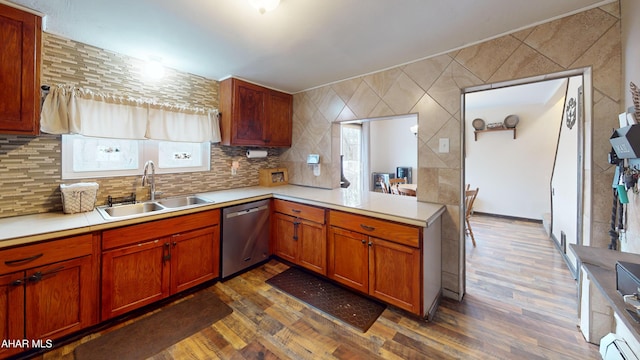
(56, 225)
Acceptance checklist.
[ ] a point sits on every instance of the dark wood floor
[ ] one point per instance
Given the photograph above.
(521, 303)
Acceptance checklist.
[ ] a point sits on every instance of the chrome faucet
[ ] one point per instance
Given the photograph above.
(150, 180)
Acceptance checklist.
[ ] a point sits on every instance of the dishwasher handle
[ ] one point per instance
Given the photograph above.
(247, 211)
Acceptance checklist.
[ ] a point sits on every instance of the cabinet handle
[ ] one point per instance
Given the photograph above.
(366, 227)
(25, 260)
(295, 230)
(166, 253)
(34, 278)
(296, 211)
(174, 244)
(39, 275)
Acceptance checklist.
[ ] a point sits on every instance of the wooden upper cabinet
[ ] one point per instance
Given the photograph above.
(20, 34)
(252, 115)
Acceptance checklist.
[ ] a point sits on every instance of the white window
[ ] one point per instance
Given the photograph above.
(90, 157)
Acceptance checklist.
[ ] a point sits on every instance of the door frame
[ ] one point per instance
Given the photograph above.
(584, 179)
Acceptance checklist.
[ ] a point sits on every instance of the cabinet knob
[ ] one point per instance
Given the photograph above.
(364, 241)
(370, 243)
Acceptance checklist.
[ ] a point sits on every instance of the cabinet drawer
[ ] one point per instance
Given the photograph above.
(306, 212)
(399, 233)
(30, 256)
(132, 234)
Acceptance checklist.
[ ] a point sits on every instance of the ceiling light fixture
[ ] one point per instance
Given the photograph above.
(154, 69)
(264, 5)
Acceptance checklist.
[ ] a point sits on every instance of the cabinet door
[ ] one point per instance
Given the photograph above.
(348, 258)
(134, 276)
(19, 71)
(195, 258)
(285, 237)
(60, 299)
(248, 127)
(279, 119)
(312, 246)
(11, 311)
(394, 274)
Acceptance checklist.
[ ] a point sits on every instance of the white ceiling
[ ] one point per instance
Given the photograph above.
(300, 45)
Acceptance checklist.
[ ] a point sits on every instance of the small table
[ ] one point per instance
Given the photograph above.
(413, 187)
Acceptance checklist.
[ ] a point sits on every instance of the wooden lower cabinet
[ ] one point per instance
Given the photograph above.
(144, 263)
(134, 276)
(349, 258)
(43, 301)
(394, 274)
(193, 258)
(388, 270)
(300, 235)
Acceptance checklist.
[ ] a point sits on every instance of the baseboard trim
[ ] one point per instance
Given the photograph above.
(508, 217)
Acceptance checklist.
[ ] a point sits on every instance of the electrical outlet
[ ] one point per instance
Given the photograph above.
(443, 145)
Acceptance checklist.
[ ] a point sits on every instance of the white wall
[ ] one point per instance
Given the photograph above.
(564, 183)
(393, 145)
(513, 175)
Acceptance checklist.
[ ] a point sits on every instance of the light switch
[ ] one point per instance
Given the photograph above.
(443, 145)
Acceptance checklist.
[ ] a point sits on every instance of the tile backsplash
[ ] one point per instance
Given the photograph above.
(30, 166)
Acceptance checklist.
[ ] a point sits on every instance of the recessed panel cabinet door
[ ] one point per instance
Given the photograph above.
(348, 259)
(312, 249)
(60, 299)
(11, 311)
(249, 124)
(19, 71)
(394, 275)
(279, 119)
(194, 258)
(286, 242)
(134, 276)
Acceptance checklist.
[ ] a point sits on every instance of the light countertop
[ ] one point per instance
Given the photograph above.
(20, 230)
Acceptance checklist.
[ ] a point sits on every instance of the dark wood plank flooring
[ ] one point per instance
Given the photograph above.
(521, 303)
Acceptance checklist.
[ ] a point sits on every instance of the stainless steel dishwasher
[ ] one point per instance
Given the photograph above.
(245, 236)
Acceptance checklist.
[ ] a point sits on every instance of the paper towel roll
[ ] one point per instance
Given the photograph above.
(253, 154)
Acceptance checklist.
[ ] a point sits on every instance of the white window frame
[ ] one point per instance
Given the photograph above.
(196, 157)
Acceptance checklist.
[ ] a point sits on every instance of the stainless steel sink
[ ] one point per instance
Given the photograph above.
(132, 209)
(182, 201)
(150, 207)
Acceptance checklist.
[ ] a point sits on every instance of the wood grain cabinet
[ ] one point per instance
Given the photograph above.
(146, 262)
(252, 115)
(300, 235)
(48, 290)
(20, 34)
(377, 257)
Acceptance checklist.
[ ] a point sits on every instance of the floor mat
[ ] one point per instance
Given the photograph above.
(355, 310)
(151, 335)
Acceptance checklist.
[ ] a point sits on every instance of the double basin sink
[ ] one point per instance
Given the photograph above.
(151, 207)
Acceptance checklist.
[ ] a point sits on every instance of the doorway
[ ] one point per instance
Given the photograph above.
(536, 171)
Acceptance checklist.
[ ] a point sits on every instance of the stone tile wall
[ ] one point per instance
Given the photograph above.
(432, 88)
(30, 166)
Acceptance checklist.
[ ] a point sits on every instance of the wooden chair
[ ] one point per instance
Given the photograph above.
(397, 181)
(393, 184)
(469, 199)
(385, 187)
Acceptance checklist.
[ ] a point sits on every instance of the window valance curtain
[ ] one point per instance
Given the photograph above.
(69, 110)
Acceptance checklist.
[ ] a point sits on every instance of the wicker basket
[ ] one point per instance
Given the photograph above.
(80, 197)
